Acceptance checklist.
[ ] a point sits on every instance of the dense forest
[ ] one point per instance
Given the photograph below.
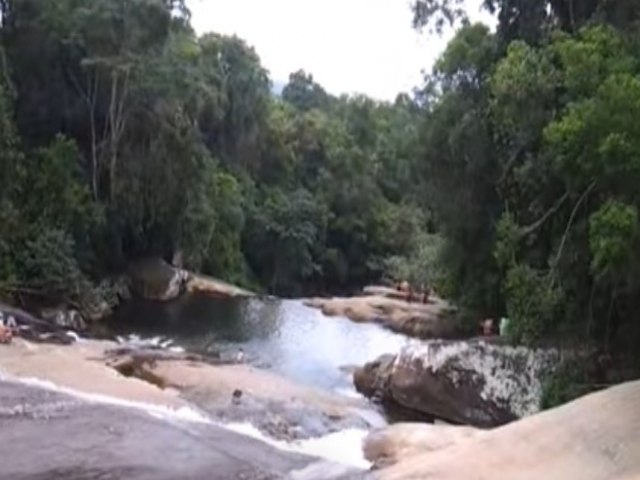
(125, 135)
(530, 151)
(508, 179)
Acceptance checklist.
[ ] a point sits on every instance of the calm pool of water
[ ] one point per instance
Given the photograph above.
(282, 335)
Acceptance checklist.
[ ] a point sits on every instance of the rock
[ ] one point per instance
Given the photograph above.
(372, 379)
(274, 404)
(431, 320)
(382, 291)
(592, 438)
(391, 444)
(155, 279)
(101, 441)
(25, 325)
(213, 287)
(278, 407)
(110, 293)
(467, 382)
(65, 318)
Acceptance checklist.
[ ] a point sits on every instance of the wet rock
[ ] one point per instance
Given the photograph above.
(98, 441)
(65, 318)
(394, 443)
(155, 279)
(278, 407)
(467, 382)
(27, 326)
(285, 421)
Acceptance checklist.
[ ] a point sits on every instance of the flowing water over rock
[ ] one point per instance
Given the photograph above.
(281, 335)
(47, 435)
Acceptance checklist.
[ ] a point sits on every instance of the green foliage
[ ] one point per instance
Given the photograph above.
(531, 150)
(569, 381)
(532, 303)
(283, 235)
(507, 237)
(420, 266)
(303, 93)
(47, 263)
(136, 138)
(509, 181)
(613, 236)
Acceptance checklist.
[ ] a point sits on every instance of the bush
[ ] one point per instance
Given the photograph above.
(532, 303)
(569, 381)
(421, 265)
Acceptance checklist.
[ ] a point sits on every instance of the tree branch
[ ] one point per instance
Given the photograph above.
(529, 229)
(573, 214)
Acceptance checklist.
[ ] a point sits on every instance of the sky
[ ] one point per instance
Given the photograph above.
(350, 46)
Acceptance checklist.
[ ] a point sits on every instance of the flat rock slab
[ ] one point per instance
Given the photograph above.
(45, 435)
(431, 320)
(596, 437)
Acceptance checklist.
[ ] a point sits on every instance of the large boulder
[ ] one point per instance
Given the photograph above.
(467, 382)
(155, 279)
(371, 380)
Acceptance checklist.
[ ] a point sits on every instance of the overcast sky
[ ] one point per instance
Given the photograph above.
(350, 46)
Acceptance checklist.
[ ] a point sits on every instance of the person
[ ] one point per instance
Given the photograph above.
(6, 334)
(487, 327)
(504, 326)
(240, 356)
(425, 292)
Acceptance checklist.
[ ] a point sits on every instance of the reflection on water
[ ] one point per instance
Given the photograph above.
(283, 335)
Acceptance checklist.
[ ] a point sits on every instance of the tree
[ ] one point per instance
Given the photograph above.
(303, 93)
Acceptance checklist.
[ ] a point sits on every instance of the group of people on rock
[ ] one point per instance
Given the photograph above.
(489, 328)
(410, 294)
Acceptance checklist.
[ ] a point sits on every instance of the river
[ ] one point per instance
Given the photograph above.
(284, 336)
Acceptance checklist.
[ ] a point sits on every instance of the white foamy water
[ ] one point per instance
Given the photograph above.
(159, 342)
(348, 392)
(343, 447)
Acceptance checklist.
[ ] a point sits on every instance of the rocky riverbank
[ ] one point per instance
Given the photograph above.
(229, 393)
(381, 305)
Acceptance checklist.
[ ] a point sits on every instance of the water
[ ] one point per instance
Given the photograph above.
(281, 335)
